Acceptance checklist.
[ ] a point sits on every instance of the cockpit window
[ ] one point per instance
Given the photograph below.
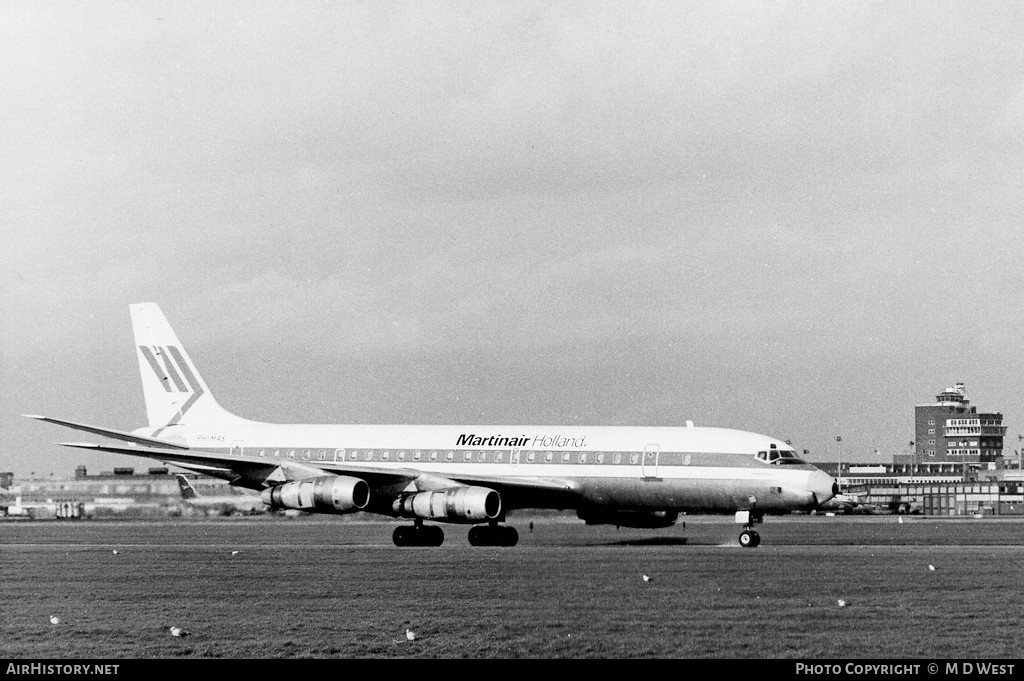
(779, 456)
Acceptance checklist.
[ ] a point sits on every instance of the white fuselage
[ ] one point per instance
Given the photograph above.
(629, 467)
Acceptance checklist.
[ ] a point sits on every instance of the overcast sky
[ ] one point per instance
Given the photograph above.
(799, 219)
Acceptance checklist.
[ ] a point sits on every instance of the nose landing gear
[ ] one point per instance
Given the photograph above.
(749, 538)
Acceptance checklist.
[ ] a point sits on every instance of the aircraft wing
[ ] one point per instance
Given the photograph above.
(516, 491)
(527, 492)
(245, 473)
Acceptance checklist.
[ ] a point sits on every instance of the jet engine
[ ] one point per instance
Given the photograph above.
(327, 494)
(457, 504)
(641, 519)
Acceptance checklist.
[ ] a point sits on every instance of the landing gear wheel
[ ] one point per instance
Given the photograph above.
(749, 539)
(494, 535)
(418, 535)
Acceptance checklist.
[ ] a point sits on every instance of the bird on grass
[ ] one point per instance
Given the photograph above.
(842, 603)
(54, 619)
(178, 632)
(647, 578)
(234, 553)
(932, 567)
(410, 635)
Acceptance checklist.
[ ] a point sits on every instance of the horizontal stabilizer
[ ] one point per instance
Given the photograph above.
(108, 432)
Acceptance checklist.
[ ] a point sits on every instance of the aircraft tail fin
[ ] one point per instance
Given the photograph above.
(188, 492)
(174, 390)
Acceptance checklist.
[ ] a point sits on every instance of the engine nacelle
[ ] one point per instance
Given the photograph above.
(648, 520)
(328, 494)
(457, 504)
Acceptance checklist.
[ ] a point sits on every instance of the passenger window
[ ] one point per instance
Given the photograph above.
(531, 456)
(617, 458)
(401, 455)
(583, 457)
(416, 455)
(369, 455)
(305, 454)
(565, 457)
(291, 453)
(323, 454)
(482, 457)
(498, 457)
(468, 456)
(277, 452)
(634, 457)
(385, 455)
(433, 456)
(549, 456)
(263, 452)
(600, 457)
(449, 456)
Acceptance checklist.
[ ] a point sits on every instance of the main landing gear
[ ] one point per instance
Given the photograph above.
(749, 538)
(418, 535)
(493, 535)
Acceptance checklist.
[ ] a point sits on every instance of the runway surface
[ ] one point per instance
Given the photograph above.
(330, 588)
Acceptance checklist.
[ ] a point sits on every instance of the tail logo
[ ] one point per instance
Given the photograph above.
(174, 374)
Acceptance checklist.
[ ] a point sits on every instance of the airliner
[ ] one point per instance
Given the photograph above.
(637, 477)
(220, 504)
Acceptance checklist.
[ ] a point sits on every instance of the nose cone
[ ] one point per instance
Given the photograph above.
(822, 485)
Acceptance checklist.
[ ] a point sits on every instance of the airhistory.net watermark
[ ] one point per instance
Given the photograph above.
(51, 669)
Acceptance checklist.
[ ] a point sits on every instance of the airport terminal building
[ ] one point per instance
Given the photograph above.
(121, 492)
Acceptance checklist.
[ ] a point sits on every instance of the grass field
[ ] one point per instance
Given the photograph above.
(323, 588)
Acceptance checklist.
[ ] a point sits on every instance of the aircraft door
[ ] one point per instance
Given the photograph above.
(649, 464)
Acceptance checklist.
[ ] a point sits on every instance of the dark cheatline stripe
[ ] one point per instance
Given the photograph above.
(171, 372)
(160, 374)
